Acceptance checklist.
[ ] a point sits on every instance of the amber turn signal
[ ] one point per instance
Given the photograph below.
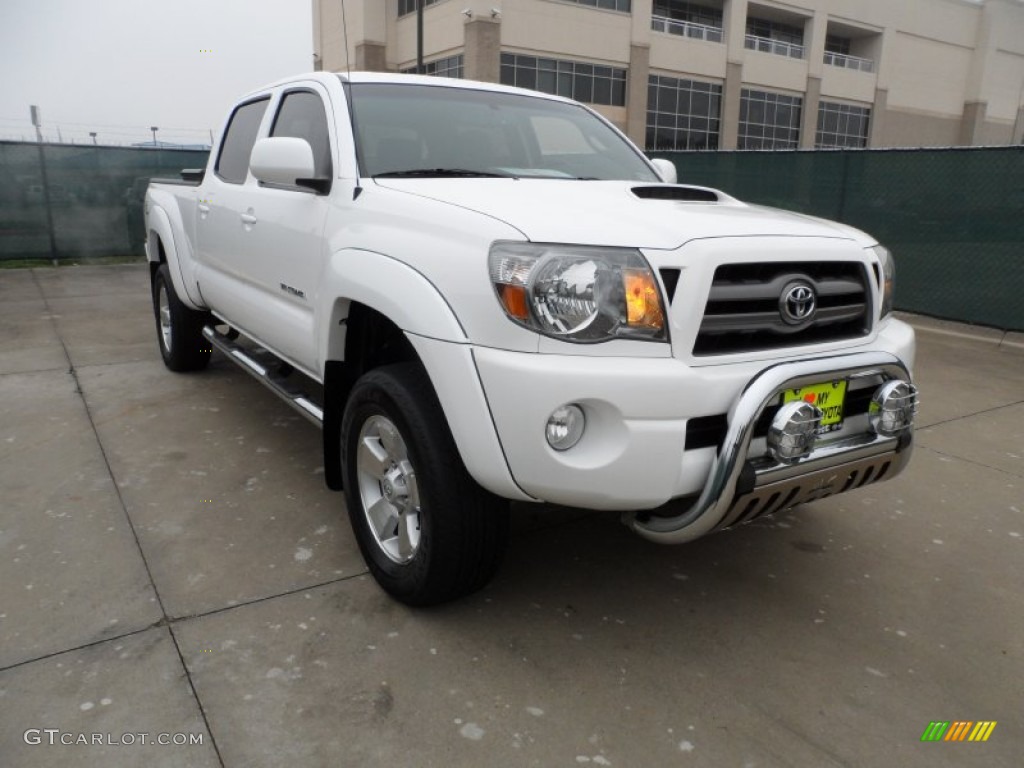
(643, 304)
(513, 297)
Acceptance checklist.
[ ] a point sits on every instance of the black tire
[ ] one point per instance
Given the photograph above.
(462, 530)
(182, 344)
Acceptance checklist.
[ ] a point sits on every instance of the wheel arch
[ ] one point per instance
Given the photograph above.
(367, 296)
(363, 339)
(387, 286)
(163, 248)
(387, 312)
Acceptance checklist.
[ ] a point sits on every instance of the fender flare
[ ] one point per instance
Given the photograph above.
(396, 290)
(159, 222)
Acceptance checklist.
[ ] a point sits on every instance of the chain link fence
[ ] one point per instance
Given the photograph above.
(60, 201)
(954, 218)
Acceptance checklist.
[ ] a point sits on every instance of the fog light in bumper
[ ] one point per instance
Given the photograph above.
(793, 431)
(893, 408)
(565, 427)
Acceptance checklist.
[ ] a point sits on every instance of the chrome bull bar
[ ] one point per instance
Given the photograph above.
(738, 490)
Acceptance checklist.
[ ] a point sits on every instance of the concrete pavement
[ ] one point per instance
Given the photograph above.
(171, 563)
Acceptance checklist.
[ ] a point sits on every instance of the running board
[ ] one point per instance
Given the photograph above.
(245, 359)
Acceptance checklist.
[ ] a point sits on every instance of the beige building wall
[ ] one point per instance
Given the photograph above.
(997, 79)
(580, 32)
(442, 27)
(774, 72)
(848, 85)
(699, 58)
(945, 72)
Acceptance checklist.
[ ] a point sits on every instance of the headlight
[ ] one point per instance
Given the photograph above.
(578, 293)
(888, 286)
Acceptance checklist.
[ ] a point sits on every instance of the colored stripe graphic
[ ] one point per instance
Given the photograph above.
(958, 730)
(935, 730)
(982, 731)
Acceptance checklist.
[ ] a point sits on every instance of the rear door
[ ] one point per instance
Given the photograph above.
(224, 239)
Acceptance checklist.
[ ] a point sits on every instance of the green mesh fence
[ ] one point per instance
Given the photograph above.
(954, 218)
(95, 197)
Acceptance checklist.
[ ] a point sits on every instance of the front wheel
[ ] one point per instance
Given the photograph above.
(428, 532)
(179, 329)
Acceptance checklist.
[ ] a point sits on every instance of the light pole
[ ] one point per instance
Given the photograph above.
(37, 121)
(419, 36)
(154, 129)
(93, 134)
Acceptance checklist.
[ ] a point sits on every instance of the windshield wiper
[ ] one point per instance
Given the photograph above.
(439, 172)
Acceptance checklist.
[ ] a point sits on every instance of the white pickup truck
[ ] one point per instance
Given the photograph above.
(484, 294)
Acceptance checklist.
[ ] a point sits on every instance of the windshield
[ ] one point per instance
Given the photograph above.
(429, 130)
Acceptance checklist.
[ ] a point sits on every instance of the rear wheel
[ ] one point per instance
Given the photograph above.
(428, 532)
(179, 329)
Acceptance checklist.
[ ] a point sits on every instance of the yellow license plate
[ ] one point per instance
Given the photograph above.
(828, 397)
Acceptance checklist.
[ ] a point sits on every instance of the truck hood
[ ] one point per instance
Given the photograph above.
(617, 213)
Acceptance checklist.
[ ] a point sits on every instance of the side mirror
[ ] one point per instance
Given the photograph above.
(666, 170)
(282, 160)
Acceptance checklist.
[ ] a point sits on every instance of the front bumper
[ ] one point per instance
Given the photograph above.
(740, 488)
(634, 454)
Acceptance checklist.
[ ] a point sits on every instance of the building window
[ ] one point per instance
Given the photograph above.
(775, 30)
(608, 5)
(578, 80)
(837, 44)
(450, 66)
(842, 125)
(769, 120)
(774, 37)
(837, 54)
(679, 17)
(682, 114)
(406, 7)
(682, 10)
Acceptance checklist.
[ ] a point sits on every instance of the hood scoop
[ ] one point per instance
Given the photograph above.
(679, 193)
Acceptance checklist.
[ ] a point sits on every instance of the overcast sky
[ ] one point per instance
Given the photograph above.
(119, 66)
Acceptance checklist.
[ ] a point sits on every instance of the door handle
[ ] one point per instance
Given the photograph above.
(203, 208)
(248, 218)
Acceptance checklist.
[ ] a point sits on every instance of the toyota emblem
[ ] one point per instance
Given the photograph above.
(797, 303)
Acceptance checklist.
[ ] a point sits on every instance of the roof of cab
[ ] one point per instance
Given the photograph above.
(394, 78)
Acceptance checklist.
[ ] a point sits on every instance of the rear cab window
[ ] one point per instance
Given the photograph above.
(233, 159)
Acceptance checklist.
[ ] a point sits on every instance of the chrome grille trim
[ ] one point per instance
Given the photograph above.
(743, 311)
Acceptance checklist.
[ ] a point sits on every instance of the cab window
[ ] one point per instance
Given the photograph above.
(302, 116)
(233, 160)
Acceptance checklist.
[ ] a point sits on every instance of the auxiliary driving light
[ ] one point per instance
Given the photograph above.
(565, 427)
(793, 430)
(893, 408)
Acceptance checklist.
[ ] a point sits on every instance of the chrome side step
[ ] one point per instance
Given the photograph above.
(245, 359)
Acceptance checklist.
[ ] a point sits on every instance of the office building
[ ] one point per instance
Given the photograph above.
(721, 74)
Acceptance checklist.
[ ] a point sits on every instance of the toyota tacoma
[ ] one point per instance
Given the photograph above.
(483, 294)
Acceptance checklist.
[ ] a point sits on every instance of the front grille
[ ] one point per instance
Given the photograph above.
(744, 312)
